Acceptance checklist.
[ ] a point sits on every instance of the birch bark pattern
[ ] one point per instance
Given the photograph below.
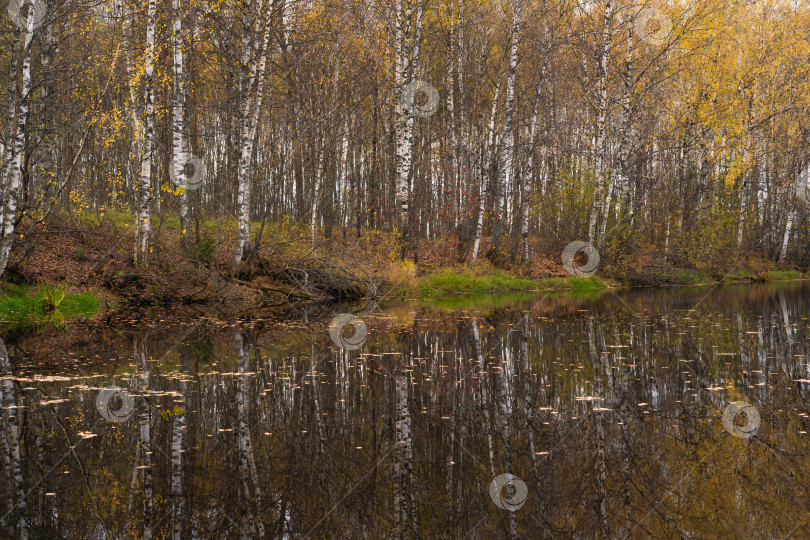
(12, 187)
(11, 423)
(601, 114)
(143, 226)
(252, 75)
(403, 139)
(506, 172)
(479, 227)
(178, 125)
(529, 177)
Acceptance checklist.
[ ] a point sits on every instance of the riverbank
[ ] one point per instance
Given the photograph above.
(75, 266)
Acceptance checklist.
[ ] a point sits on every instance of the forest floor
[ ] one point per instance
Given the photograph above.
(77, 264)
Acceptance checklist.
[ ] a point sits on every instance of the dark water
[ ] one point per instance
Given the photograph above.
(669, 414)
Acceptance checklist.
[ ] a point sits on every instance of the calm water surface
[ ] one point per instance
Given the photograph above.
(654, 413)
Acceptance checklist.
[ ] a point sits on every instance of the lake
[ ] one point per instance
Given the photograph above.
(665, 413)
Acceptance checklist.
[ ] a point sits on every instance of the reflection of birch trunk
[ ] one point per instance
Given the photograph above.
(248, 474)
(11, 448)
(529, 405)
(315, 394)
(178, 493)
(133, 486)
(10, 488)
(601, 473)
(482, 381)
(145, 433)
(786, 318)
(504, 402)
(448, 476)
(626, 467)
(404, 497)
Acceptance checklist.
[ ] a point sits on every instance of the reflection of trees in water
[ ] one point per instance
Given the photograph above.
(15, 510)
(282, 434)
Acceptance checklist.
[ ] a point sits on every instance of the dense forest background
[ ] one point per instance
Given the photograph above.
(664, 132)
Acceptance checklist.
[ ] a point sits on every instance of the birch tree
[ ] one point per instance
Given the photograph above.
(12, 185)
(143, 225)
(601, 114)
(179, 146)
(406, 53)
(251, 84)
(485, 172)
(506, 171)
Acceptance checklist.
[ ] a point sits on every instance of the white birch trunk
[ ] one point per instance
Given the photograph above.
(529, 177)
(316, 195)
(786, 236)
(623, 181)
(600, 122)
(479, 228)
(507, 168)
(9, 137)
(178, 125)
(401, 114)
(143, 226)
(248, 120)
(12, 187)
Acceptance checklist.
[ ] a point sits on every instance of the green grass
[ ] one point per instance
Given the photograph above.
(27, 306)
(447, 281)
(781, 275)
(573, 284)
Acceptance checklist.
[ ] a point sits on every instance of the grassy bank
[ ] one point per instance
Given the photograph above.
(94, 250)
(24, 306)
(451, 281)
(465, 281)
